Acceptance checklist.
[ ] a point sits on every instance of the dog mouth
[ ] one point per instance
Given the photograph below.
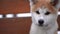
(40, 25)
(43, 25)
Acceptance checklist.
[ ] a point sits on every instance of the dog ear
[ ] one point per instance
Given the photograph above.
(55, 3)
(32, 2)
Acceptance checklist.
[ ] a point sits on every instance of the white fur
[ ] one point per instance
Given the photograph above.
(43, 30)
(50, 22)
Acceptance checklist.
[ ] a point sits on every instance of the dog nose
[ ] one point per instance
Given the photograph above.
(41, 22)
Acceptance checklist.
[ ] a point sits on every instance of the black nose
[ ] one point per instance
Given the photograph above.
(41, 22)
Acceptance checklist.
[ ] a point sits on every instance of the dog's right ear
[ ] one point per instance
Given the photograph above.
(55, 3)
(32, 2)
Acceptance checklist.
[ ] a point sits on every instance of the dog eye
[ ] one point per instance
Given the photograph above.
(37, 12)
(47, 13)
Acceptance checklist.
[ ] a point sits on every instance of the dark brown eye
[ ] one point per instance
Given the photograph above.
(37, 12)
(47, 13)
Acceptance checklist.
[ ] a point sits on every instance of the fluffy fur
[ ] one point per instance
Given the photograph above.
(50, 25)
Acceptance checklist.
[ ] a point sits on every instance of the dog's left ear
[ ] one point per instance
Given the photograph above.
(32, 2)
(55, 3)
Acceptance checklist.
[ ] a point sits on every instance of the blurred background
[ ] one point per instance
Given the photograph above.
(15, 17)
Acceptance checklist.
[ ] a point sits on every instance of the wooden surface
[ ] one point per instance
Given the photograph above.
(15, 26)
(58, 20)
(14, 6)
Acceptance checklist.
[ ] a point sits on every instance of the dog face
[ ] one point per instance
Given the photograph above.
(43, 17)
(43, 12)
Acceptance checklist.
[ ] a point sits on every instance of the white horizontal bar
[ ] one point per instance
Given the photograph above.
(1, 16)
(23, 15)
(9, 15)
(58, 13)
(58, 32)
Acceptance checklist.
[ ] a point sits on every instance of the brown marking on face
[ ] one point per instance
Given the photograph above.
(44, 3)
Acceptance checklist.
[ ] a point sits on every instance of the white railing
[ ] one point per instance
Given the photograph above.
(58, 32)
(18, 15)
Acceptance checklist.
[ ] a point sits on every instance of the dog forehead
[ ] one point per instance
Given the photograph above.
(43, 5)
(43, 10)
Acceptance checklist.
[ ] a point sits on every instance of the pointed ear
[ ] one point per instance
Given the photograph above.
(32, 2)
(55, 3)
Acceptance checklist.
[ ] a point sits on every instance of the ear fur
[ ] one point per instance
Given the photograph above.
(58, 4)
(55, 3)
(32, 2)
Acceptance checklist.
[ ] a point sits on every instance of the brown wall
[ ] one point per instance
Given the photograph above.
(14, 6)
(15, 26)
(58, 20)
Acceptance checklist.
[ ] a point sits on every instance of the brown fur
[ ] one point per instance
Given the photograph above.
(45, 3)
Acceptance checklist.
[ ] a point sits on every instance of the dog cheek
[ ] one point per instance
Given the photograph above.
(47, 19)
(51, 18)
(35, 18)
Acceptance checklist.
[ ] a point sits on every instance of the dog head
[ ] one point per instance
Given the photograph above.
(43, 12)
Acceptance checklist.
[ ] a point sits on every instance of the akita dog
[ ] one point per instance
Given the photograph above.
(44, 17)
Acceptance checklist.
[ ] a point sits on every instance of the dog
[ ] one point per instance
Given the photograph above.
(44, 17)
